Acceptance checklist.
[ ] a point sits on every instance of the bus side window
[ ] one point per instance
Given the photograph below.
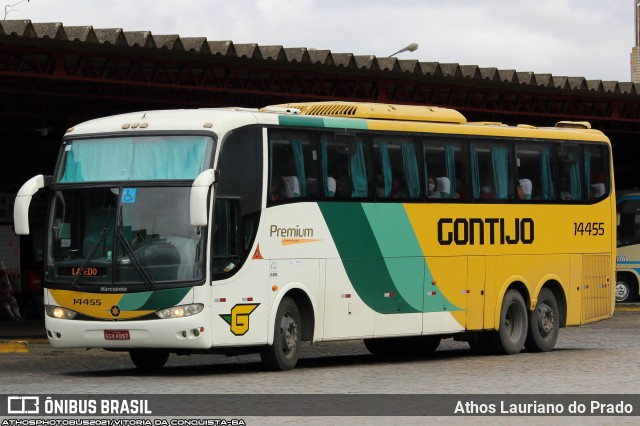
(596, 165)
(491, 172)
(344, 166)
(629, 223)
(397, 173)
(293, 171)
(572, 187)
(445, 170)
(535, 173)
(225, 244)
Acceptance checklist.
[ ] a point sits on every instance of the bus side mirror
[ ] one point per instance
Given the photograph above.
(198, 199)
(23, 200)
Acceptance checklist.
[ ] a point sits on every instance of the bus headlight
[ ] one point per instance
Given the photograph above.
(59, 312)
(180, 311)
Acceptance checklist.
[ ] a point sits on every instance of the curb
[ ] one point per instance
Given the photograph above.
(15, 346)
(633, 307)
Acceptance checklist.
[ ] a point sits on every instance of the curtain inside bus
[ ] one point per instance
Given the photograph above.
(329, 190)
(144, 158)
(500, 159)
(298, 159)
(411, 174)
(546, 177)
(358, 171)
(450, 164)
(475, 172)
(574, 180)
(387, 175)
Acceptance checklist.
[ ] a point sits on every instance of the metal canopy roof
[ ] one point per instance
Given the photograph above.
(324, 60)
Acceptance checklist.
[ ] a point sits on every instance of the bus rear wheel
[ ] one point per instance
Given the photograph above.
(512, 332)
(287, 334)
(544, 323)
(149, 359)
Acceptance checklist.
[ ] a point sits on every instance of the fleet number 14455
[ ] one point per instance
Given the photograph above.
(588, 228)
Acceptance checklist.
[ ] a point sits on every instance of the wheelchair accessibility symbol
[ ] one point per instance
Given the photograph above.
(129, 195)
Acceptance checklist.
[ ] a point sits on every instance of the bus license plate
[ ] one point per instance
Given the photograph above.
(116, 335)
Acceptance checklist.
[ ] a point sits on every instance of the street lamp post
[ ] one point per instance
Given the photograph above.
(409, 48)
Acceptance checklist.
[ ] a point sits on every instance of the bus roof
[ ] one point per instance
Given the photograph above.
(377, 111)
(416, 118)
(338, 115)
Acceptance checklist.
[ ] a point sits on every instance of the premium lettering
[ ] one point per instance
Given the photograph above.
(276, 231)
(477, 231)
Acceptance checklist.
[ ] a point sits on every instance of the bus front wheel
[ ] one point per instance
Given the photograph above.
(544, 323)
(149, 359)
(510, 337)
(285, 351)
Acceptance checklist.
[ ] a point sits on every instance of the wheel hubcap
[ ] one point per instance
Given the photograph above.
(289, 334)
(546, 318)
(622, 291)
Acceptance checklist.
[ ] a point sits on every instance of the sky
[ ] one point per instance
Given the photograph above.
(574, 38)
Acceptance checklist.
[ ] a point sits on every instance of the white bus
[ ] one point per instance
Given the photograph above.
(236, 230)
(628, 259)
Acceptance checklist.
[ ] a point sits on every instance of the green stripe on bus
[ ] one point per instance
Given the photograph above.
(382, 257)
(161, 299)
(133, 301)
(346, 123)
(310, 121)
(362, 258)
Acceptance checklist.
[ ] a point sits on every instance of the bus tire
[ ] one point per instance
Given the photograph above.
(544, 323)
(626, 288)
(512, 332)
(287, 334)
(149, 359)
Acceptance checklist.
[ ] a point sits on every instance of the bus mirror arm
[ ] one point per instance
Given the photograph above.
(23, 200)
(198, 199)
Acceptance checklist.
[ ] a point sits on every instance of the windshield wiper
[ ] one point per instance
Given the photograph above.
(148, 279)
(105, 231)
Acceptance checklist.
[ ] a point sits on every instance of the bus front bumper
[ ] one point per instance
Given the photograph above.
(193, 332)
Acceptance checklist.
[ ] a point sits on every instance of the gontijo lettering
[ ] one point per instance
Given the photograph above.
(463, 231)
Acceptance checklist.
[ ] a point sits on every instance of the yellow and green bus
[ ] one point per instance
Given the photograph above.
(237, 230)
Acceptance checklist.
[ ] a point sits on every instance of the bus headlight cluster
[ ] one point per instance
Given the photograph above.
(180, 311)
(59, 312)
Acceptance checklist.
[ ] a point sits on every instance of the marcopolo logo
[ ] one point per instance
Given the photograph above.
(23, 405)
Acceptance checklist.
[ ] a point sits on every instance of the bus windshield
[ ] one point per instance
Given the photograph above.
(134, 158)
(124, 235)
